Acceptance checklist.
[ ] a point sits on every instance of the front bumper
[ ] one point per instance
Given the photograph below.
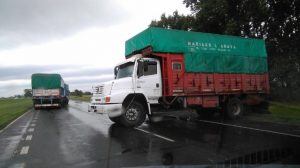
(113, 110)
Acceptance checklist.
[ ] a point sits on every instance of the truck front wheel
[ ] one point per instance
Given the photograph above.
(133, 115)
(234, 108)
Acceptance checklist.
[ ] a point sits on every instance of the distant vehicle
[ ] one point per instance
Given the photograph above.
(171, 69)
(49, 90)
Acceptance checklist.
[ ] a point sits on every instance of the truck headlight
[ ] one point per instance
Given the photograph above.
(107, 99)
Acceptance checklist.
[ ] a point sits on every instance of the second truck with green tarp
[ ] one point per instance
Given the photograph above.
(49, 90)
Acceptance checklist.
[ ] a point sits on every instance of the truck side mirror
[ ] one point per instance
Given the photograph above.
(140, 69)
(115, 72)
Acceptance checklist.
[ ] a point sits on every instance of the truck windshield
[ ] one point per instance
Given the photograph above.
(124, 70)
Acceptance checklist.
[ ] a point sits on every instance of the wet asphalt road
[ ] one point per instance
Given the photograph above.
(72, 137)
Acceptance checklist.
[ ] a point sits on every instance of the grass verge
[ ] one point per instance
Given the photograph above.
(281, 112)
(85, 98)
(11, 109)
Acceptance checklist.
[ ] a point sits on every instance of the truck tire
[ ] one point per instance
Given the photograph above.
(234, 108)
(133, 115)
(34, 107)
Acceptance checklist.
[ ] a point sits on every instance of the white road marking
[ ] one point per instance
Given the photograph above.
(249, 128)
(24, 150)
(154, 134)
(30, 129)
(168, 139)
(159, 136)
(28, 138)
(18, 165)
(13, 121)
(32, 125)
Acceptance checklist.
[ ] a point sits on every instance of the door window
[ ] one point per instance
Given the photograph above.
(151, 68)
(176, 66)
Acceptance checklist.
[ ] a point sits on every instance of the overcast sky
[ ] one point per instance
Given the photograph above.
(80, 39)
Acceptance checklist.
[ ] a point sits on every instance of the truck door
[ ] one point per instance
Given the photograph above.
(149, 80)
(177, 77)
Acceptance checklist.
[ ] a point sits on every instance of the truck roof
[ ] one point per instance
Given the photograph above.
(179, 41)
(204, 52)
(131, 59)
(47, 81)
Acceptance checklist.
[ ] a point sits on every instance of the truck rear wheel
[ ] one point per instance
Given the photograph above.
(133, 115)
(234, 108)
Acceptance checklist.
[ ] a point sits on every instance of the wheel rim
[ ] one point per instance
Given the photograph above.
(131, 114)
(236, 109)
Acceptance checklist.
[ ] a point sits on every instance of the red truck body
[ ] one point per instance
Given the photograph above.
(206, 89)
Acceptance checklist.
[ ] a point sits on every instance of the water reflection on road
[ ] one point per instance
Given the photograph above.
(202, 144)
(72, 136)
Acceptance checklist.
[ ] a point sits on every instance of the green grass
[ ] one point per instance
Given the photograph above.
(86, 98)
(11, 109)
(281, 112)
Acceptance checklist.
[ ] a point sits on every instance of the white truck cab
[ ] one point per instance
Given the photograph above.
(127, 98)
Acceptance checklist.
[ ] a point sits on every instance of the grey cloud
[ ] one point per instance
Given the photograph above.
(89, 72)
(25, 72)
(34, 21)
(10, 90)
(92, 80)
(85, 85)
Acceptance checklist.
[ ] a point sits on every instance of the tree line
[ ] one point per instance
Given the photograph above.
(79, 93)
(275, 21)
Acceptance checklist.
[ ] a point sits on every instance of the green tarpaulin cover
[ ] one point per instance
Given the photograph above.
(47, 81)
(204, 52)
